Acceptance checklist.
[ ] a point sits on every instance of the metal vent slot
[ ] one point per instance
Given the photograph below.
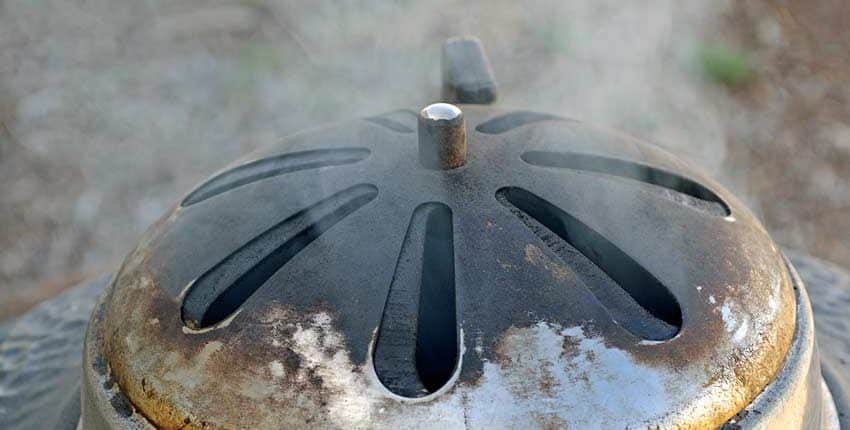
(223, 289)
(273, 166)
(510, 121)
(688, 192)
(390, 120)
(633, 297)
(416, 350)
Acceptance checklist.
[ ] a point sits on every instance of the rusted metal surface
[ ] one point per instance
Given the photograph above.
(797, 397)
(546, 338)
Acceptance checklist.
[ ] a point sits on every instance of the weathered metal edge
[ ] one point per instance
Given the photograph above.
(798, 397)
(103, 405)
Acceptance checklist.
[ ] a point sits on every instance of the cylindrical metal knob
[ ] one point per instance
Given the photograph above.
(442, 137)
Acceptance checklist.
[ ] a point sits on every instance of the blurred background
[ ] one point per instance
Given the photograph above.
(111, 109)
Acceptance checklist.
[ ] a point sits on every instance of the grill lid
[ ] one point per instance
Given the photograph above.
(560, 275)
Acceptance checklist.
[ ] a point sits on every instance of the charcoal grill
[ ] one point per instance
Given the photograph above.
(457, 266)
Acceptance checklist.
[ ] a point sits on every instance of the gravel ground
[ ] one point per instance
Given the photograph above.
(110, 110)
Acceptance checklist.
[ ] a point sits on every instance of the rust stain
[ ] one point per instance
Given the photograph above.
(174, 378)
(535, 256)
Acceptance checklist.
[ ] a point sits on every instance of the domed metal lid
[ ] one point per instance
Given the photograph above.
(561, 276)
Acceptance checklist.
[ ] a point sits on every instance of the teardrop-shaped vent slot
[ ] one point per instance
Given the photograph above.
(416, 350)
(510, 121)
(222, 290)
(633, 297)
(690, 193)
(273, 166)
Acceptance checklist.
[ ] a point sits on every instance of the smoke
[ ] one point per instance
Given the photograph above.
(115, 108)
(627, 65)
